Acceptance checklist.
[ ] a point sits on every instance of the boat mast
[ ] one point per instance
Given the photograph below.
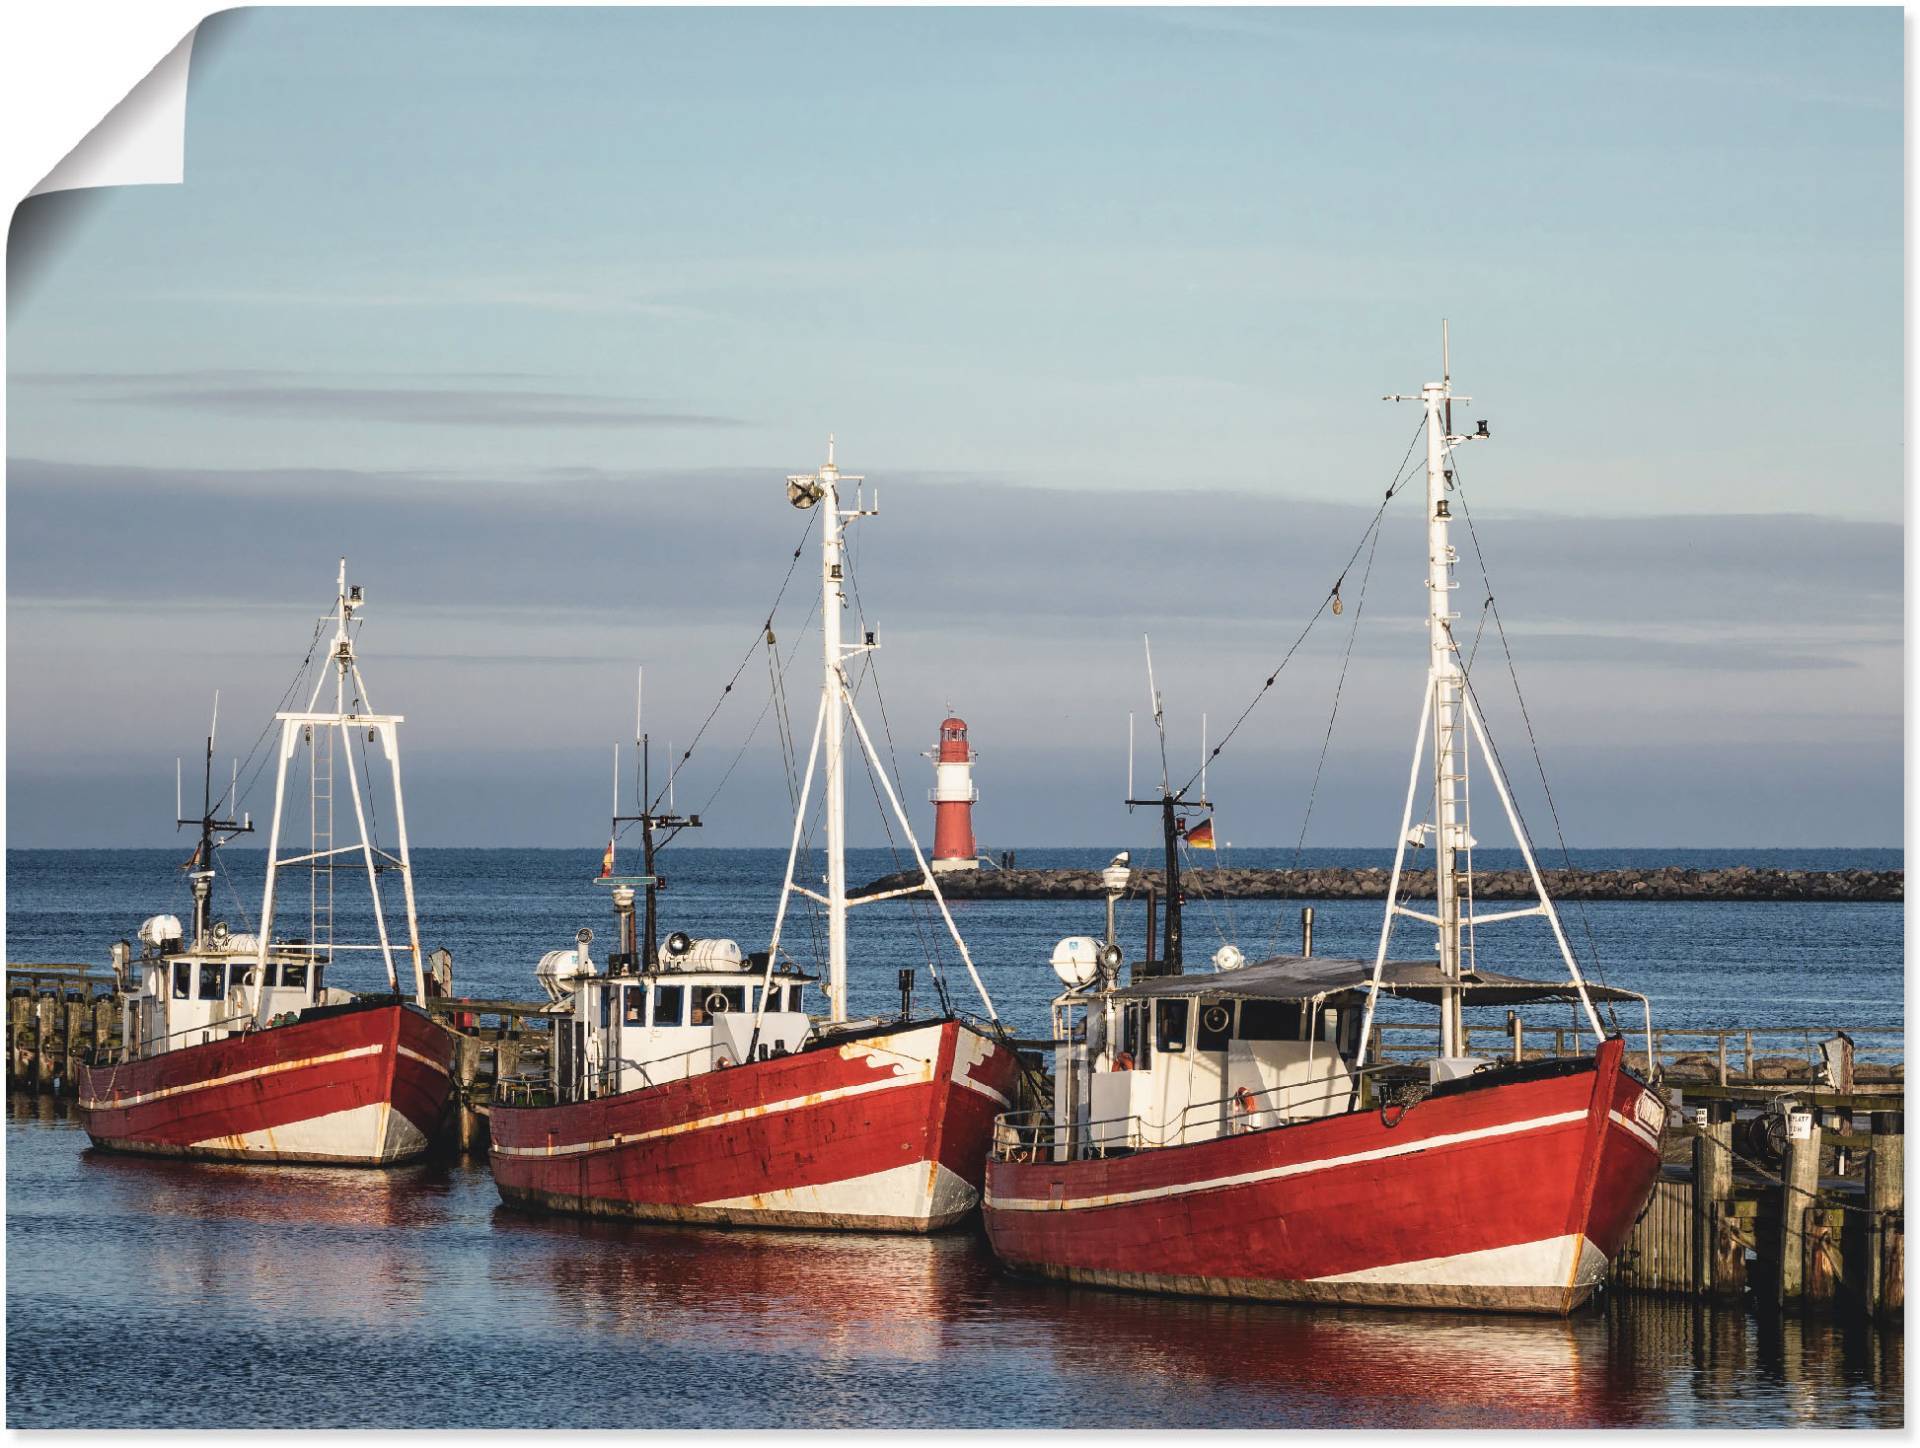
(202, 873)
(316, 728)
(1451, 713)
(1444, 709)
(1444, 679)
(1169, 803)
(649, 821)
(805, 490)
(834, 687)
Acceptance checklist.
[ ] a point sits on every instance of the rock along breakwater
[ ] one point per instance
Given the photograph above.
(1743, 882)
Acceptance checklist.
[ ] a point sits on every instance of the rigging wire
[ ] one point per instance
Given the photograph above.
(782, 724)
(1401, 475)
(286, 698)
(673, 770)
(241, 791)
(1539, 763)
(1339, 688)
(919, 910)
(775, 691)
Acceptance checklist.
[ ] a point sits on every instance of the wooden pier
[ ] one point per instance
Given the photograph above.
(1799, 1238)
(1784, 1184)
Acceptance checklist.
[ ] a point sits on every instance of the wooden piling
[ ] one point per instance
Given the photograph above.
(1713, 1257)
(76, 1016)
(45, 1033)
(1884, 1289)
(466, 1070)
(19, 1036)
(105, 1018)
(1799, 1194)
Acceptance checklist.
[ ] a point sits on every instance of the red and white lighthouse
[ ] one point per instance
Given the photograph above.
(953, 796)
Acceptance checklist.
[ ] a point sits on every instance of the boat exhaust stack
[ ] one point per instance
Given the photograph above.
(623, 911)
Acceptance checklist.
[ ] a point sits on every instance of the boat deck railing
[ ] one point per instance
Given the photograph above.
(1810, 1057)
(1036, 1134)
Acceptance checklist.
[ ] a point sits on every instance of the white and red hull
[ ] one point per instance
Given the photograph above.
(364, 1084)
(1506, 1197)
(886, 1131)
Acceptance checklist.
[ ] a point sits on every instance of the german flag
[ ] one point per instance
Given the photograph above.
(606, 863)
(1200, 837)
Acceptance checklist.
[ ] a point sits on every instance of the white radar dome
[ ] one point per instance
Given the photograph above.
(1228, 957)
(711, 955)
(160, 930)
(1076, 960)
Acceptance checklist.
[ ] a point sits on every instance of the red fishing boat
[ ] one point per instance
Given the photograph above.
(1233, 1133)
(235, 1047)
(692, 1083)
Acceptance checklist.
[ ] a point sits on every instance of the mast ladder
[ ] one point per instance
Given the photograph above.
(320, 877)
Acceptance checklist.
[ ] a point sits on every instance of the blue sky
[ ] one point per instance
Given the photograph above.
(468, 274)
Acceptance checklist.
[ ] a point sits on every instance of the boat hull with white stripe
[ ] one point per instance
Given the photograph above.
(884, 1130)
(361, 1084)
(1532, 1182)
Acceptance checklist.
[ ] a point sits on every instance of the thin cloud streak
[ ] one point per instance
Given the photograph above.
(432, 406)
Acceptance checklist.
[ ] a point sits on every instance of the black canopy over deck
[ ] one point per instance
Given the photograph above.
(1317, 977)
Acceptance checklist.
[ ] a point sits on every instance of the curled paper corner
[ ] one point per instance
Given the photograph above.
(140, 142)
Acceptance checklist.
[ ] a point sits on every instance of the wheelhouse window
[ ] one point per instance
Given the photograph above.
(634, 1011)
(1216, 1024)
(1135, 1043)
(670, 1006)
(237, 975)
(294, 975)
(182, 981)
(1170, 1025)
(795, 998)
(1270, 1020)
(213, 981)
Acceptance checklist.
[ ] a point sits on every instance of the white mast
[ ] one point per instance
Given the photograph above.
(832, 600)
(1451, 715)
(804, 490)
(319, 729)
(1444, 679)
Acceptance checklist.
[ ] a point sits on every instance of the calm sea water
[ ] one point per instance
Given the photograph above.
(164, 1294)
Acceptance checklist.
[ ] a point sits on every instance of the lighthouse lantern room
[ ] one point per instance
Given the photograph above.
(953, 797)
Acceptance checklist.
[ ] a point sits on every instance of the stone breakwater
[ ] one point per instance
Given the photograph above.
(1670, 883)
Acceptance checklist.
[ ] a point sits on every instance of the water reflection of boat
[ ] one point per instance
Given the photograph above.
(828, 1294)
(361, 1252)
(1392, 1368)
(911, 1299)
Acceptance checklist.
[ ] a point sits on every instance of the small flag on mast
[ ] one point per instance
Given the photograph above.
(1200, 837)
(606, 864)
